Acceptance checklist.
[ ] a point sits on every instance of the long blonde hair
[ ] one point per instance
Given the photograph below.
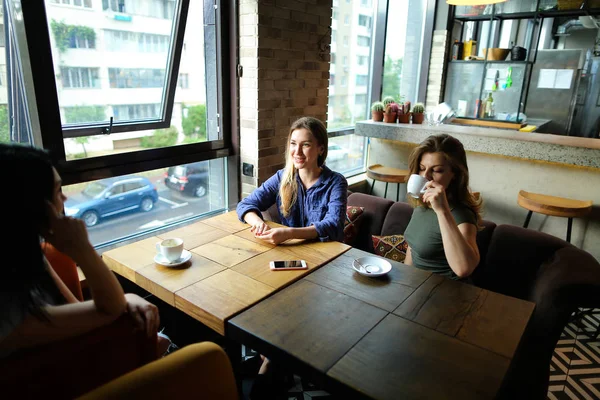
(288, 188)
(458, 191)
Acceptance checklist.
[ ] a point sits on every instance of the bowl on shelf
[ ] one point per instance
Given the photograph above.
(496, 54)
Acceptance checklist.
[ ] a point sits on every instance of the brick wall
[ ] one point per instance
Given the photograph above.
(285, 76)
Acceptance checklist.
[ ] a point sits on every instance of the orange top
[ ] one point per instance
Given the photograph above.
(65, 268)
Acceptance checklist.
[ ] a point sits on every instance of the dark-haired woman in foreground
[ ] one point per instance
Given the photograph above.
(37, 307)
(442, 232)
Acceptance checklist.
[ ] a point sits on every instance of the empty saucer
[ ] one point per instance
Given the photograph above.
(185, 257)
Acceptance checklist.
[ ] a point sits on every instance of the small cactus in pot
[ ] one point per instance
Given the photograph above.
(418, 113)
(404, 114)
(388, 100)
(389, 115)
(377, 109)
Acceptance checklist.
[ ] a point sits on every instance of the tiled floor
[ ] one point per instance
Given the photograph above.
(575, 366)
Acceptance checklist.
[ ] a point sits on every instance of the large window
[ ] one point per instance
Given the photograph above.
(137, 42)
(360, 79)
(106, 77)
(73, 77)
(402, 63)
(132, 78)
(147, 8)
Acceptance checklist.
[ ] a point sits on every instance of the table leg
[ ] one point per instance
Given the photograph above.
(234, 352)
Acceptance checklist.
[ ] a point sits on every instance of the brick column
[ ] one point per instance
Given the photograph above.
(285, 76)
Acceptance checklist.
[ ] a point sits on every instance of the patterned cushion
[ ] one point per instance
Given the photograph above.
(393, 247)
(352, 223)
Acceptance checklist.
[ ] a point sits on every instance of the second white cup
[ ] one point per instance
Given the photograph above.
(416, 185)
(171, 249)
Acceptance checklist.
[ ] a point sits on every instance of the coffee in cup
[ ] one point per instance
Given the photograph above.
(170, 249)
(416, 185)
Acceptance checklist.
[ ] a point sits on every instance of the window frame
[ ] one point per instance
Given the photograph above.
(42, 44)
(45, 110)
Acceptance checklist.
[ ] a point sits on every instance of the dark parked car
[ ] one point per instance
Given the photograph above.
(191, 178)
(111, 196)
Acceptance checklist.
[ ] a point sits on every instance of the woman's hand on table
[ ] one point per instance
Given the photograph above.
(275, 235)
(144, 314)
(435, 196)
(259, 228)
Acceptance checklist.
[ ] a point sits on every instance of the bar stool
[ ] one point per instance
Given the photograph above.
(554, 206)
(388, 175)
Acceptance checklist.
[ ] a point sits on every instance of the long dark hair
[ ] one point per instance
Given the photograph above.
(458, 191)
(29, 183)
(288, 189)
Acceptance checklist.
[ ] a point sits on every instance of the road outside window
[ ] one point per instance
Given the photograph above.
(118, 207)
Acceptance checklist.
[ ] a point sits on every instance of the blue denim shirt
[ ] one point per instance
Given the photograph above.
(322, 205)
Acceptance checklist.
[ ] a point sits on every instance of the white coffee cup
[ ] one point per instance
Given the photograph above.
(416, 185)
(171, 249)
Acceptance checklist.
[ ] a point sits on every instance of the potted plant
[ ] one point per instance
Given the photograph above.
(377, 109)
(418, 113)
(388, 100)
(403, 115)
(407, 107)
(390, 112)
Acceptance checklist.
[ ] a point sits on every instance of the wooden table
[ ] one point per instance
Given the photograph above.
(229, 270)
(408, 335)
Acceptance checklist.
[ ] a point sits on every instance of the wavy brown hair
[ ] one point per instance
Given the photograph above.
(458, 192)
(288, 189)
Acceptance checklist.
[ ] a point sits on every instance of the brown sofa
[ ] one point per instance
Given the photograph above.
(518, 262)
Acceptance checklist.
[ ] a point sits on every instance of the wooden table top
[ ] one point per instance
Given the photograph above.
(229, 270)
(410, 334)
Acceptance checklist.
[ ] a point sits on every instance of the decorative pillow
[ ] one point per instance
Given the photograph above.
(352, 223)
(393, 247)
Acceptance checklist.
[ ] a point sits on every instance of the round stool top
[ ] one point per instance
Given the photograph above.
(387, 174)
(552, 205)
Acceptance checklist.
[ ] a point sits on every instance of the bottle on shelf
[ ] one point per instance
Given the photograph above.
(457, 50)
(489, 107)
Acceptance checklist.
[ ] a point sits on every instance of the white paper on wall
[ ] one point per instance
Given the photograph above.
(564, 77)
(555, 79)
(546, 79)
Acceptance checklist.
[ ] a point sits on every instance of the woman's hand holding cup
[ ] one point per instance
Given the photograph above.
(435, 196)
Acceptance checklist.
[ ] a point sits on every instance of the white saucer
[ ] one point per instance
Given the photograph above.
(375, 266)
(185, 257)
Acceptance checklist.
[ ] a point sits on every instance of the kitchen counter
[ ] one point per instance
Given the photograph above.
(577, 151)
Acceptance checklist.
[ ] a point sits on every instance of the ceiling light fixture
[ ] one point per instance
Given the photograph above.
(473, 2)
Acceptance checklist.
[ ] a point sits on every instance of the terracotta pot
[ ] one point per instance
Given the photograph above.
(389, 117)
(418, 118)
(404, 118)
(377, 116)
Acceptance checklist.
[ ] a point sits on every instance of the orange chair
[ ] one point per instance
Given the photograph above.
(71, 367)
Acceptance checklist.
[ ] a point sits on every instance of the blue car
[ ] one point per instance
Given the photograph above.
(111, 196)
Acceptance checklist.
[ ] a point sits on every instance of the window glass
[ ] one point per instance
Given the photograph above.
(162, 197)
(349, 78)
(346, 154)
(114, 65)
(401, 68)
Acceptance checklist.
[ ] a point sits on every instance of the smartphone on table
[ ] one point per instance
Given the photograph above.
(288, 265)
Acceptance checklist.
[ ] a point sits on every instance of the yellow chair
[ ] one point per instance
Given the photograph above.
(553, 206)
(388, 175)
(198, 371)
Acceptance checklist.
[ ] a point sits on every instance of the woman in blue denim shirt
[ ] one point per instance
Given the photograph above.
(311, 199)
